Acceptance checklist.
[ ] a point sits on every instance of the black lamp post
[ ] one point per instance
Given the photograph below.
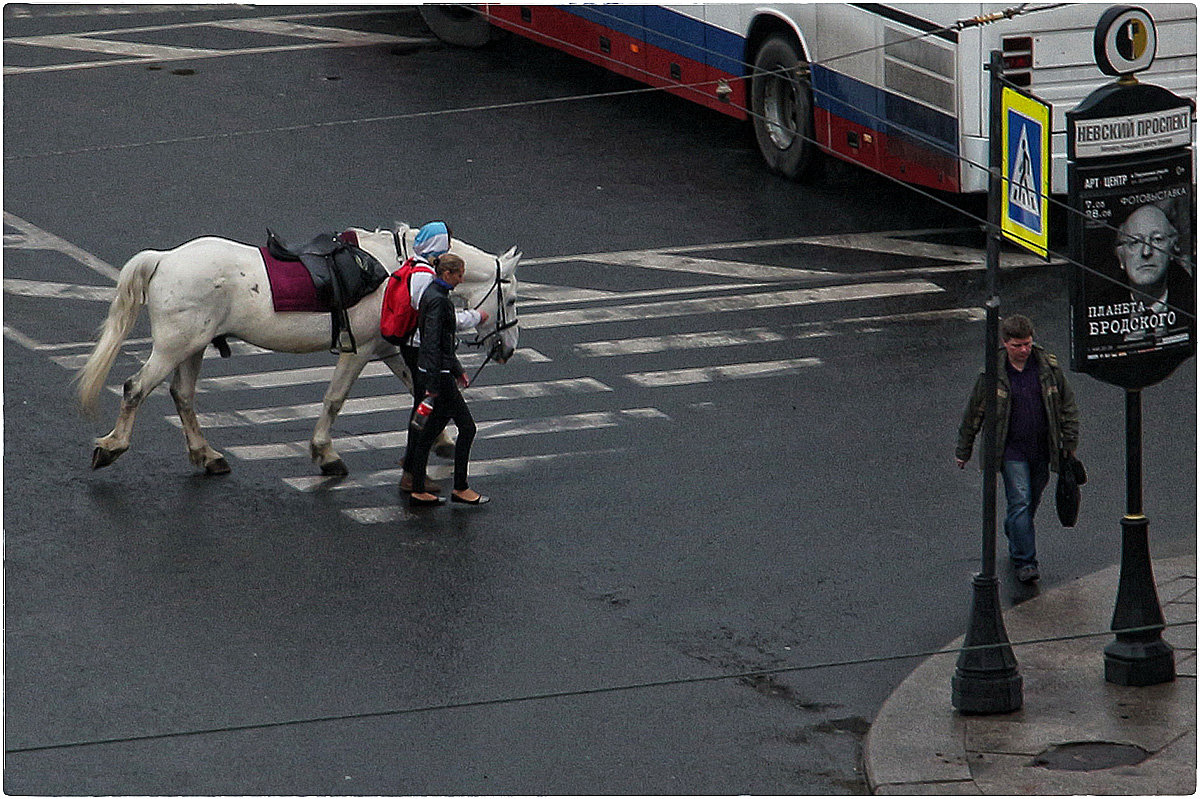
(1139, 655)
(986, 679)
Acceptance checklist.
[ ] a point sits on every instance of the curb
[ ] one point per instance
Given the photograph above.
(918, 744)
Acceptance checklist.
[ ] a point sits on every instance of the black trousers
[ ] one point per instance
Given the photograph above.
(409, 354)
(448, 405)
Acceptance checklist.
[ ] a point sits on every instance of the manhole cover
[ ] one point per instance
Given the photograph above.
(1090, 756)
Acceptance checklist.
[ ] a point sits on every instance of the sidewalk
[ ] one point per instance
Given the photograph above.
(919, 744)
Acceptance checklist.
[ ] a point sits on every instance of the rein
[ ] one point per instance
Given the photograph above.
(502, 322)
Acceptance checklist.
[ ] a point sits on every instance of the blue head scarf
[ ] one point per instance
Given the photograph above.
(433, 239)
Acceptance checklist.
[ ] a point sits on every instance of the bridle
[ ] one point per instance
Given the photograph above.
(502, 321)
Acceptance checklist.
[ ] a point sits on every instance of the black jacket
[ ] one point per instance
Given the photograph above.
(438, 338)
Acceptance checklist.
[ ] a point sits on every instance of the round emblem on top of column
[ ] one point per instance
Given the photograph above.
(1126, 41)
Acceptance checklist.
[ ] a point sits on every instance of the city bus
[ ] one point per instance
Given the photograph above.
(900, 88)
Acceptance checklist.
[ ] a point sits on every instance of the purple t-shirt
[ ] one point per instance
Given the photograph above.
(1028, 426)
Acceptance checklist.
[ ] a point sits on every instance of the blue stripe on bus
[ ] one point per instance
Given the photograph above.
(669, 30)
(876, 109)
(843, 96)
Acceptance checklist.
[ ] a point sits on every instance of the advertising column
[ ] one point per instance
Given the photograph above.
(1133, 293)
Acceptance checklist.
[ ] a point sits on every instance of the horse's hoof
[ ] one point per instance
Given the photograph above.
(444, 450)
(102, 457)
(335, 468)
(219, 466)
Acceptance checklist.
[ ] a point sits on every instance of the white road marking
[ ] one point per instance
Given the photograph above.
(46, 12)
(379, 515)
(710, 266)
(62, 291)
(555, 294)
(282, 27)
(394, 402)
(502, 428)
(87, 44)
(32, 237)
(680, 341)
(141, 52)
(894, 242)
(25, 341)
(764, 335)
(583, 295)
(323, 374)
(482, 468)
(742, 302)
(709, 374)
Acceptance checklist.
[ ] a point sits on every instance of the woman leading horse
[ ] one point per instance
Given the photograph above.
(441, 373)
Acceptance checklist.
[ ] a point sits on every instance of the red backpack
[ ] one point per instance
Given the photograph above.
(398, 318)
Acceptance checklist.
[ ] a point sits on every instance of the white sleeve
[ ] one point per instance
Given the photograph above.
(467, 320)
(417, 283)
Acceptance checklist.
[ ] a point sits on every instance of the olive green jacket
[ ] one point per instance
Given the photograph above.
(1059, 400)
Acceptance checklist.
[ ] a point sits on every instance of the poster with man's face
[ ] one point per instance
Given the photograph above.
(1138, 294)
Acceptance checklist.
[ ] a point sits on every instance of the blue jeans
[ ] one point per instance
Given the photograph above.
(1023, 486)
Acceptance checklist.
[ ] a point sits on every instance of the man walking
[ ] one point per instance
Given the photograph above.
(1037, 425)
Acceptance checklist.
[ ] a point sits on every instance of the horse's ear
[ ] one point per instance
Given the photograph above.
(510, 260)
(401, 227)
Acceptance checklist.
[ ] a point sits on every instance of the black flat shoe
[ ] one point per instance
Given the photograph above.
(479, 500)
(424, 503)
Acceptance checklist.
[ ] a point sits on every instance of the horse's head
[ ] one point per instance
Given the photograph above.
(490, 284)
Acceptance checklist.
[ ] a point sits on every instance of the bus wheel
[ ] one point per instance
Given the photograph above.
(782, 109)
(462, 26)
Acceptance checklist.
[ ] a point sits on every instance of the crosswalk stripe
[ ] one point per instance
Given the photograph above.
(393, 402)
(624, 296)
(709, 374)
(379, 515)
(323, 374)
(32, 237)
(88, 44)
(896, 242)
(482, 468)
(680, 341)
(737, 302)
(58, 291)
(764, 335)
(501, 428)
(712, 266)
(280, 27)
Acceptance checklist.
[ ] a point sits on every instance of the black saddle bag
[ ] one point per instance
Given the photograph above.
(1067, 496)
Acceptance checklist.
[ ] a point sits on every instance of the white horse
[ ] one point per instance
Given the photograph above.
(211, 288)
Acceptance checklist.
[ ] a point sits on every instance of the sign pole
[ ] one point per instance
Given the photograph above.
(1139, 655)
(986, 679)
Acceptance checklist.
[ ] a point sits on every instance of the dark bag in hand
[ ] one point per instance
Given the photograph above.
(1071, 476)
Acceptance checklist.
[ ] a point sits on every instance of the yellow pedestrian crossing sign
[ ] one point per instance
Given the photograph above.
(1025, 170)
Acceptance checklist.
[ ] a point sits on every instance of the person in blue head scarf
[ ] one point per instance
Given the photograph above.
(432, 240)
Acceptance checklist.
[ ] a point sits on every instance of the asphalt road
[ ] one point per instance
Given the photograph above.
(725, 446)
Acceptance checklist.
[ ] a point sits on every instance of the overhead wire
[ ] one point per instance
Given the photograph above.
(569, 693)
(694, 87)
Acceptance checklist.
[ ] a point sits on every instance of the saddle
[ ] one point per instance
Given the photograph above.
(342, 274)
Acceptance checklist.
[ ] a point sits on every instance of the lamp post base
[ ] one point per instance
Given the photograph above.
(986, 679)
(1139, 663)
(1139, 655)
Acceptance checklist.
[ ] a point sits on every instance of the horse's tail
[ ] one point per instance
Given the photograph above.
(122, 314)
